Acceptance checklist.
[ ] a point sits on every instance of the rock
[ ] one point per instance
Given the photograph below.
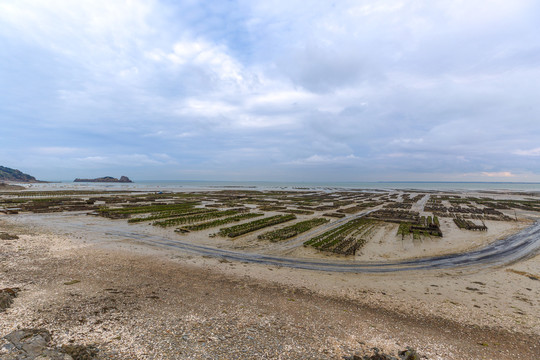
(5, 186)
(6, 236)
(6, 297)
(380, 356)
(71, 282)
(26, 344)
(408, 354)
(30, 342)
(80, 352)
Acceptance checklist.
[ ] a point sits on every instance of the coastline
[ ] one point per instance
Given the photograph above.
(190, 185)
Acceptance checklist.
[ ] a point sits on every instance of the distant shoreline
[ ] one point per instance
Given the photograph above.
(188, 185)
(321, 183)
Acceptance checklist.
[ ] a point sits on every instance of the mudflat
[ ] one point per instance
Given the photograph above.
(135, 299)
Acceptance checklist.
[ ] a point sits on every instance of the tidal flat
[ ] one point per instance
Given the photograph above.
(252, 274)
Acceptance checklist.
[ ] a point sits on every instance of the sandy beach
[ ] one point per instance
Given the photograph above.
(131, 299)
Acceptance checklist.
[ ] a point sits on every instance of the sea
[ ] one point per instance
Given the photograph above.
(190, 185)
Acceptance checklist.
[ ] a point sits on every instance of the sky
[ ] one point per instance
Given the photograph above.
(274, 90)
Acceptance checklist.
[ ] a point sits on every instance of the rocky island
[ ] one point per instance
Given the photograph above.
(106, 179)
(123, 179)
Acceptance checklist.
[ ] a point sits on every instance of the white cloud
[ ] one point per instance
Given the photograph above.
(67, 27)
(501, 174)
(203, 107)
(171, 135)
(325, 159)
(212, 58)
(131, 160)
(531, 152)
(58, 150)
(407, 141)
(284, 97)
(369, 9)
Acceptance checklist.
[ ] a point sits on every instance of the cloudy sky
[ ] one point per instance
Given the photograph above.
(271, 90)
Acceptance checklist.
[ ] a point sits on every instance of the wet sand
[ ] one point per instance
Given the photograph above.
(136, 301)
(92, 280)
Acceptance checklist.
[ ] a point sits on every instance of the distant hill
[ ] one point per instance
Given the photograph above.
(13, 175)
(106, 179)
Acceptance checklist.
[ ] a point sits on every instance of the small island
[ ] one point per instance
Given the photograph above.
(106, 179)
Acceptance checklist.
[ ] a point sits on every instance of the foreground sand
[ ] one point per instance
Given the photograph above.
(136, 302)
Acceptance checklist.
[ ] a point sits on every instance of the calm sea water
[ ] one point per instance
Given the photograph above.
(172, 185)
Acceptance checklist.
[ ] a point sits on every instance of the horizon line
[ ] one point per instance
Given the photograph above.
(339, 182)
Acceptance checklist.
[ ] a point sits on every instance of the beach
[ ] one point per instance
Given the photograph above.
(131, 298)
